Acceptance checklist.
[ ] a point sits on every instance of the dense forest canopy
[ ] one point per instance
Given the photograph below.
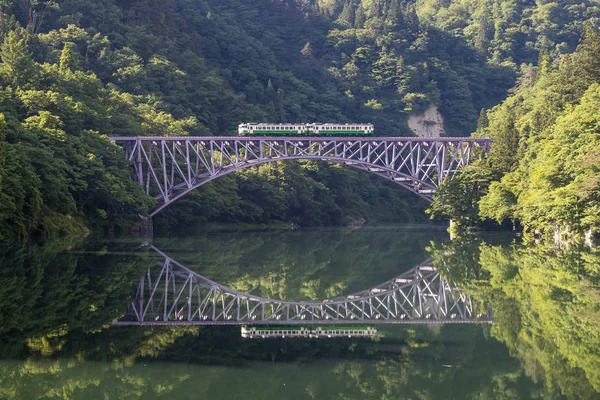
(74, 71)
(543, 167)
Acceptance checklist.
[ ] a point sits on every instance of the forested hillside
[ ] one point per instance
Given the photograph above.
(73, 71)
(543, 170)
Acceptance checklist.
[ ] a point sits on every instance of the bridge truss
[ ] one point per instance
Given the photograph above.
(170, 167)
(174, 295)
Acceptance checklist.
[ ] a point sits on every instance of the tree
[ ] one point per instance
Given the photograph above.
(17, 67)
(587, 56)
(348, 13)
(360, 17)
(2, 145)
(31, 13)
(504, 155)
(483, 32)
(459, 195)
(68, 58)
(483, 121)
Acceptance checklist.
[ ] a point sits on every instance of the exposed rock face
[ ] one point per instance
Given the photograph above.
(590, 238)
(427, 124)
(564, 236)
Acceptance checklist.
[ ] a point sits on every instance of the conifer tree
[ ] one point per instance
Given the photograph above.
(376, 10)
(410, 17)
(2, 136)
(67, 58)
(394, 16)
(587, 56)
(271, 92)
(483, 120)
(17, 66)
(483, 32)
(360, 17)
(348, 13)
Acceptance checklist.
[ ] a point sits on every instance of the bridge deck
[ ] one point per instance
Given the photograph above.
(318, 138)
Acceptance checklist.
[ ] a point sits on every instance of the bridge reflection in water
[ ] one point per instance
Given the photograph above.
(172, 294)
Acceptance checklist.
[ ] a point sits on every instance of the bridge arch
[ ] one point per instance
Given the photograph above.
(172, 294)
(169, 168)
(396, 177)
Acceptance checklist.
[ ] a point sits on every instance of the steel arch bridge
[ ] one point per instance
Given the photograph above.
(170, 167)
(174, 295)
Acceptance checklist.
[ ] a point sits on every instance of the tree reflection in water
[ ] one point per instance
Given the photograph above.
(546, 307)
(56, 306)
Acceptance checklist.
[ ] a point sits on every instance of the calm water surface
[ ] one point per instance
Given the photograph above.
(57, 302)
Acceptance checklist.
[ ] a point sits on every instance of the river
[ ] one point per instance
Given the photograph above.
(58, 300)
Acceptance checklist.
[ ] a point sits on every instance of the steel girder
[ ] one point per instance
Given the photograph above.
(174, 295)
(170, 167)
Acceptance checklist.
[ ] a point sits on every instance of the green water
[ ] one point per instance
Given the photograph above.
(57, 301)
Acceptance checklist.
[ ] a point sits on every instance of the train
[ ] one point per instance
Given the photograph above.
(312, 129)
(326, 331)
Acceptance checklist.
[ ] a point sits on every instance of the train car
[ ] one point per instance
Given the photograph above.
(349, 129)
(312, 129)
(331, 331)
(267, 129)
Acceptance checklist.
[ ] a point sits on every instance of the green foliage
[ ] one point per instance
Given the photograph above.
(48, 292)
(549, 307)
(87, 69)
(545, 305)
(546, 143)
(459, 195)
(512, 31)
(543, 163)
(58, 171)
(56, 340)
(17, 66)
